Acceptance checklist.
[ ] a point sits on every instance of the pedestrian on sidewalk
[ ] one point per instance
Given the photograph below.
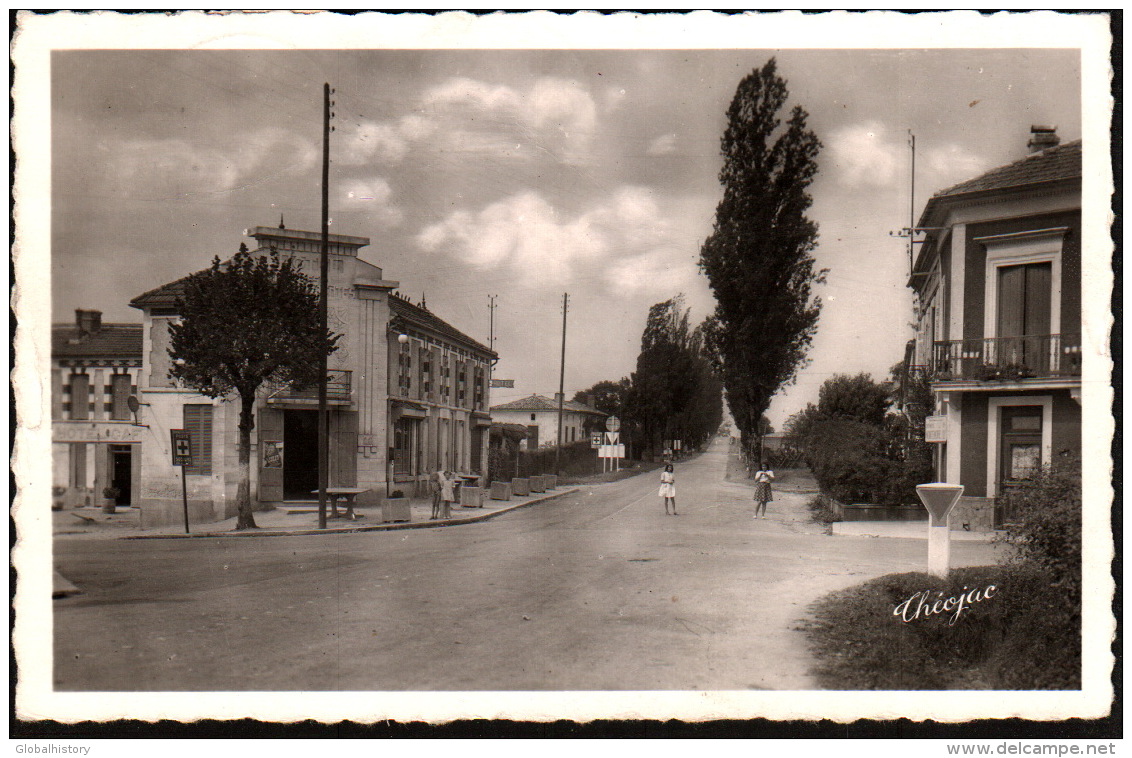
(447, 493)
(763, 495)
(668, 489)
(435, 487)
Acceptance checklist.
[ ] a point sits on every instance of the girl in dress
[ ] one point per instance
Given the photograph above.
(668, 489)
(763, 478)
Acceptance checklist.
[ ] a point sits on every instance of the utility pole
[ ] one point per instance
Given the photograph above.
(324, 268)
(561, 384)
(491, 306)
(912, 205)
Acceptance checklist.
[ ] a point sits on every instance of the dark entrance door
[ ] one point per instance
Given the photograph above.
(1020, 453)
(120, 476)
(300, 454)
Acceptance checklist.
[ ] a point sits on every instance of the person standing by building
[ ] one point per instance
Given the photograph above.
(435, 486)
(668, 489)
(447, 493)
(763, 495)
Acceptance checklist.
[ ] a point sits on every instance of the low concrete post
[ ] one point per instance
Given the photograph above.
(500, 490)
(551, 481)
(939, 498)
(471, 497)
(521, 486)
(538, 484)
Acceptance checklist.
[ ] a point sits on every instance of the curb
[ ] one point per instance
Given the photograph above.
(351, 529)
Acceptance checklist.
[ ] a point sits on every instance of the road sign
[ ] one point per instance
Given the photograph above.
(182, 447)
(612, 438)
(595, 440)
(677, 444)
(613, 424)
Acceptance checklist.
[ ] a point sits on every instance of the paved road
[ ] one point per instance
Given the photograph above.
(594, 591)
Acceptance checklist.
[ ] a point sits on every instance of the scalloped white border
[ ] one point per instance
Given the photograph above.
(37, 35)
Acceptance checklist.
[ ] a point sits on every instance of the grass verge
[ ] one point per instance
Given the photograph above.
(1025, 636)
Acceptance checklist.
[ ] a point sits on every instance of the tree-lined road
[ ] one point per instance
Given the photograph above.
(597, 590)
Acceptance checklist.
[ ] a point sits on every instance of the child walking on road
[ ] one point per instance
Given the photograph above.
(668, 489)
(763, 478)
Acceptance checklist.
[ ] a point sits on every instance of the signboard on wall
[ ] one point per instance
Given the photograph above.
(503, 383)
(595, 440)
(935, 429)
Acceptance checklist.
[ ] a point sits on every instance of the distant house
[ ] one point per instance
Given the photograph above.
(95, 445)
(539, 414)
(998, 293)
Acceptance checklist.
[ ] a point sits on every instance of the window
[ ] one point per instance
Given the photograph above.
(120, 385)
(198, 423)
(1023, 324)
(403, 433)
(80, 397)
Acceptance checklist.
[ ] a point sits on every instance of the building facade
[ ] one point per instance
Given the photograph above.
(95, 442)
(539, 414)
(367, 442)
(998, 297)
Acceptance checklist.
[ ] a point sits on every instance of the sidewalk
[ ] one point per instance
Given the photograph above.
(288, 520)
(915, 530)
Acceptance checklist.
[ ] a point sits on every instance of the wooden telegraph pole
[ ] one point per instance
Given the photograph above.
(561, 386)
(324, 266)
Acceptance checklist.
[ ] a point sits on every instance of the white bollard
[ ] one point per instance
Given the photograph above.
(939, 498)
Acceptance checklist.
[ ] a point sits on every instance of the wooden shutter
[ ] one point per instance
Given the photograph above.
(119, 391)
(198, 423)
(80, 396)
(270, 425)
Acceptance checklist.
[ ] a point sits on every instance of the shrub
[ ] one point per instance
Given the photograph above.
(823, 509)
(1045, 525)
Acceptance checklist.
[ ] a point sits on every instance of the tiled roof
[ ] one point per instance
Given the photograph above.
(110, 341)
(426, 319)
(542, 403)
(1052, 164)
(165, 295)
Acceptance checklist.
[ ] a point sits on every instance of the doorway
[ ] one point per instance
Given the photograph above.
(1020, 452)
(121, 468)
(300, 459)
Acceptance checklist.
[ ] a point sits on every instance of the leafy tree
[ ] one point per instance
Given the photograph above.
(675, 393)
(249, 322)
(857, 398)
(607, 397)
(758, 257)
(857, 450)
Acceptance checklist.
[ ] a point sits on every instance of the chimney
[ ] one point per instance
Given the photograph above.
(557, 397)
(89, 321)
(1042, 137)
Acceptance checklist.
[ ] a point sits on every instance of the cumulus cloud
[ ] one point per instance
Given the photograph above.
(866, 155)
(627, 233)
(950, 164)
(554, 115)
(177, 167)
(375, 196)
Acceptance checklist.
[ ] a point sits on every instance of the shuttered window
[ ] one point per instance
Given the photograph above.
(120, 385)
(80, 396)
(198, 423)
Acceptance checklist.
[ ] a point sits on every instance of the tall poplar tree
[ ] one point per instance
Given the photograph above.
(758, 258)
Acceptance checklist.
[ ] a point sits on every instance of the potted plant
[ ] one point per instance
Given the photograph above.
(396, 507)
(110, 495)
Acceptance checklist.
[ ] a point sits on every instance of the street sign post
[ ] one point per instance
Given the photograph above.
(935, 429)
(939, 498)
(181, 444)
(595, 440)
(613, 424)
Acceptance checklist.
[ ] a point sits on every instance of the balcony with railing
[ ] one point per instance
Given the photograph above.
(1007, 359)
(338, 391)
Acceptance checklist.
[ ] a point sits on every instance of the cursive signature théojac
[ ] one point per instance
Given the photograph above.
(921, 605)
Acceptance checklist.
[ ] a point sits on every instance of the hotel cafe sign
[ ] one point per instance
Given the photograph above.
(96, 431)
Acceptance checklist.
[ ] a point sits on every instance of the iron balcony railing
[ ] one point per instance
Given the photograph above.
(1007, 358)
(338, 388)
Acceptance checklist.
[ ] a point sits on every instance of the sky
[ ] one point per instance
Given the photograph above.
(524, 174)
